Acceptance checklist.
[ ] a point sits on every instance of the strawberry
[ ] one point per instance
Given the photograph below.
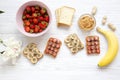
(34, 15)
(46, 15)
(47, 19)
(41, 18)
(43, 11)
(31, 30)
(28, 9)
(40, 30)
(35, 21)
(36, 30)
(30, 20)
(25, 12)
(46, 24)
(32, 26)
(27, 16)
(38, 14)
(37, 7)
(23, 17)
(27, 29)
(33, 9)
(36, 11)
(42, 25)
(27, 23)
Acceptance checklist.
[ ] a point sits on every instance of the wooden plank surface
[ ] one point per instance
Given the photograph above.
(66, 66)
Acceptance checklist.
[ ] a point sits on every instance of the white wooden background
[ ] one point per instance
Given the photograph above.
(66, 66)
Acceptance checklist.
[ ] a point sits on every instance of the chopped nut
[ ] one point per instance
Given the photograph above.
(94, 10)
(104, 20)
(111, 26)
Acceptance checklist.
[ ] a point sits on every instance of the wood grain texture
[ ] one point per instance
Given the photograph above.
(66, 66)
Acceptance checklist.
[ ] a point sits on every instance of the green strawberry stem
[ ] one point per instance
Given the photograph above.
(1, 12)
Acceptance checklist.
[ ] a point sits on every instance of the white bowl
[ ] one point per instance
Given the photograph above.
(20, 21)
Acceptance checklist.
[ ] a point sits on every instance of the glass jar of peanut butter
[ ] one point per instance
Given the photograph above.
(87, 22)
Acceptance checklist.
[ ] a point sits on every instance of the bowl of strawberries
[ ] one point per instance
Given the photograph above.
(33, 18)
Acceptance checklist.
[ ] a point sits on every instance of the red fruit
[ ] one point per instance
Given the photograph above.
(27, 23)
(27, 29)
(36, 11)
(27, 16)
(47, 19)
(25, 12)
(37, 7)
(42, 26)
(38, 14)
(33, 9)
(31, 30)
(43, 11)
(46, 15)
(34, 15)
(32, 26)
(44, 23)
(40, 30)
(41, 18)
(36, 30)
(35, 21)
(28, 9)
(23, 17)
(30, 20)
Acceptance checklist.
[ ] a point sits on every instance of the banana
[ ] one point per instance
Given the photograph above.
(112, 47)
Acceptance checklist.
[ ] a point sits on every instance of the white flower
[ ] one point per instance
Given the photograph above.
(12, 50)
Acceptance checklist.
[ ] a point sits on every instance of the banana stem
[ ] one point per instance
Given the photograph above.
(99, 30)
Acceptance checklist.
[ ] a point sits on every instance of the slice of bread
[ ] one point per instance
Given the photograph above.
(57, 13)
(65, 15)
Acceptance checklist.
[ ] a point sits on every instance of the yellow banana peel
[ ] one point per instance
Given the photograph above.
(113, 47)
